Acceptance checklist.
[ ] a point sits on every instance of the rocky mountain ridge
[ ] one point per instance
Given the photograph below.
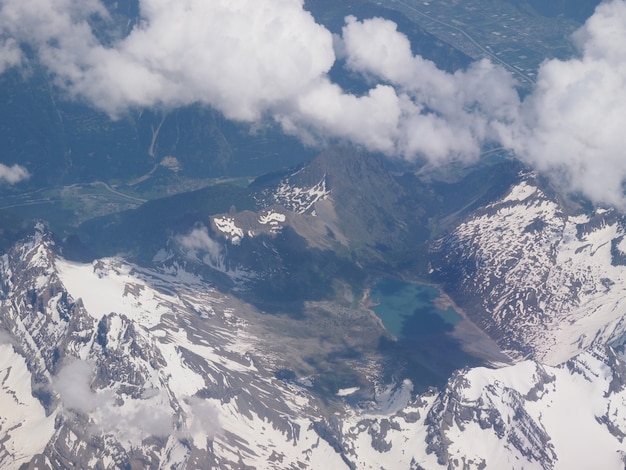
(176, 364)
(114, 365)
(543, 280)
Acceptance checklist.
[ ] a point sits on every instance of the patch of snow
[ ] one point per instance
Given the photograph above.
(41, 281)
(393, 397)
(344, 392)
(171, 163)
(520, 192)
(547, 281)
(300, 200)
(111, 286)
(227, 226)
(305, 381)
(523, 416)
(272, 218)
(24, 427)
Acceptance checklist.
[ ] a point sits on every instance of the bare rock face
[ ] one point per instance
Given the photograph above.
(497, 409)
(140, 375)
(544, 281)
(111, 365)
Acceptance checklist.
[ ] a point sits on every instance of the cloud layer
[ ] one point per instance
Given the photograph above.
(269, 59)
(573, 125)
(242, 57)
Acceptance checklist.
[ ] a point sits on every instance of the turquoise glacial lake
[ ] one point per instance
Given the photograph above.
(404, 306)
(424, 349)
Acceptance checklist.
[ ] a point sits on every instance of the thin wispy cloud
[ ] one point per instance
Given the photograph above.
(199, 245)
(73, 386)
(202, 421)
(10, 54)
(269, 60)
(13, 174)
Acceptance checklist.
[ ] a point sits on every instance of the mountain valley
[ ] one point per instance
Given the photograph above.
(347, 236)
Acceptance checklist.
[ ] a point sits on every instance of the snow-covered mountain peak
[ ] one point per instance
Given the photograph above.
(116, 365)
(301, 199)
(543, 283)
(140, 367)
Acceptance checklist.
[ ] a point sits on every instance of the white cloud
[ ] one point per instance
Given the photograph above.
(202, 421)
(239, 56)
(10, 54)
(444, 115)
(325, 110)
(198, 244)
(573, 125)
(13, 174)
(73, 385)
(375, 47)
(251, 59)
(134, 421)
(260, 59)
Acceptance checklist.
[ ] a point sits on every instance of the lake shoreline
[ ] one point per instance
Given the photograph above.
(474, 341)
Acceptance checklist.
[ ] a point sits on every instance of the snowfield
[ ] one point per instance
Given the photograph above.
(108, 364)
(550, 284)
